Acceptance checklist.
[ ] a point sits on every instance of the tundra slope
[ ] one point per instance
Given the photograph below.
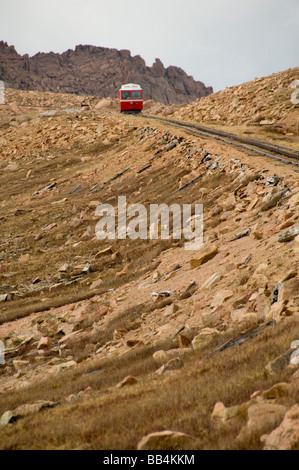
(264, 105)
(93, 360)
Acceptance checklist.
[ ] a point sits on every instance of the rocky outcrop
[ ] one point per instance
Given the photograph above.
(142, 331)
(269, 103)
(90, 70)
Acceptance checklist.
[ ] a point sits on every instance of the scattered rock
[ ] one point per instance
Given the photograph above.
(246, 319)
(218, 413)
(220, 298)
(186, 337)
(262, 418)
(127, 381)
(64, 268)
(210, 319)
(44, 343)
(24, 410)
(96, 284)
(250, 272)
(74, 398)
(20, 365)
(214, 279)
(280, 363)
(286, 436)
(280, 390)
(161, 294)
(288, 236)
(277, 309)
(271, 200)
(239, 235)
(289, 275)
(238, 314)
(273, 180)
(288, 290)
(164, 440)
(293, 201)
(203, 256)
(119, 333)
(24, 258)
(131, 343)
(86, 269)
(173, 364)
(105, 252)
(222, 416)
(65, 366)
(191, 289)
(162, 357)
(170, 310)
(205, 338)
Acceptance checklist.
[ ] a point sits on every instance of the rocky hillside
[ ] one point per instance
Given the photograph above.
(141, 344)
(264, 102)
(90, 70)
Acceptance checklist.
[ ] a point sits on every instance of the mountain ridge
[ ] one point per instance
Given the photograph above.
(92, 70)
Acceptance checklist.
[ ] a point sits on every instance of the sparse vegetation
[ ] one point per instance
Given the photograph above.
(141, 310)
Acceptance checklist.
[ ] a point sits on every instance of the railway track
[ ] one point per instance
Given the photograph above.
(266, 149)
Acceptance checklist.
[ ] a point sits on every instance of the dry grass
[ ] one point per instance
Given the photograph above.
(183, 401)
(49, 251)
(110, 418)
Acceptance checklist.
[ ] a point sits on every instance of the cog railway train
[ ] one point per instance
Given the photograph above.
(130, 98)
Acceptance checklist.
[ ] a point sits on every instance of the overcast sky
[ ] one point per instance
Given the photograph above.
(220, 42)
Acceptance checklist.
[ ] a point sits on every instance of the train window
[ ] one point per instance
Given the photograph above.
(126, 95)
(136, 95)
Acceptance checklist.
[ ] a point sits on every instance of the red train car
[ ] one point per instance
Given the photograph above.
(130, 98)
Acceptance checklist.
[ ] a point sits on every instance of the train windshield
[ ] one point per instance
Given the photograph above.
(126, 95)
(136, 95)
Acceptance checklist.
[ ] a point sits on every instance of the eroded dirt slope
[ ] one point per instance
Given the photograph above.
(109, 341)
(265, 105)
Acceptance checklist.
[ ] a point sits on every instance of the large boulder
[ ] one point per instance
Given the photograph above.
(164, 440)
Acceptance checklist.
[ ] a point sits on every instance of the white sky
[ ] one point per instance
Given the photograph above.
(220, 42)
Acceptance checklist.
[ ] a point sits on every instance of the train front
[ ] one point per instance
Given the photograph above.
(131, 98)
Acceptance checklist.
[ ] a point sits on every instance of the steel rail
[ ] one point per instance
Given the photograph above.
(251, 145)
